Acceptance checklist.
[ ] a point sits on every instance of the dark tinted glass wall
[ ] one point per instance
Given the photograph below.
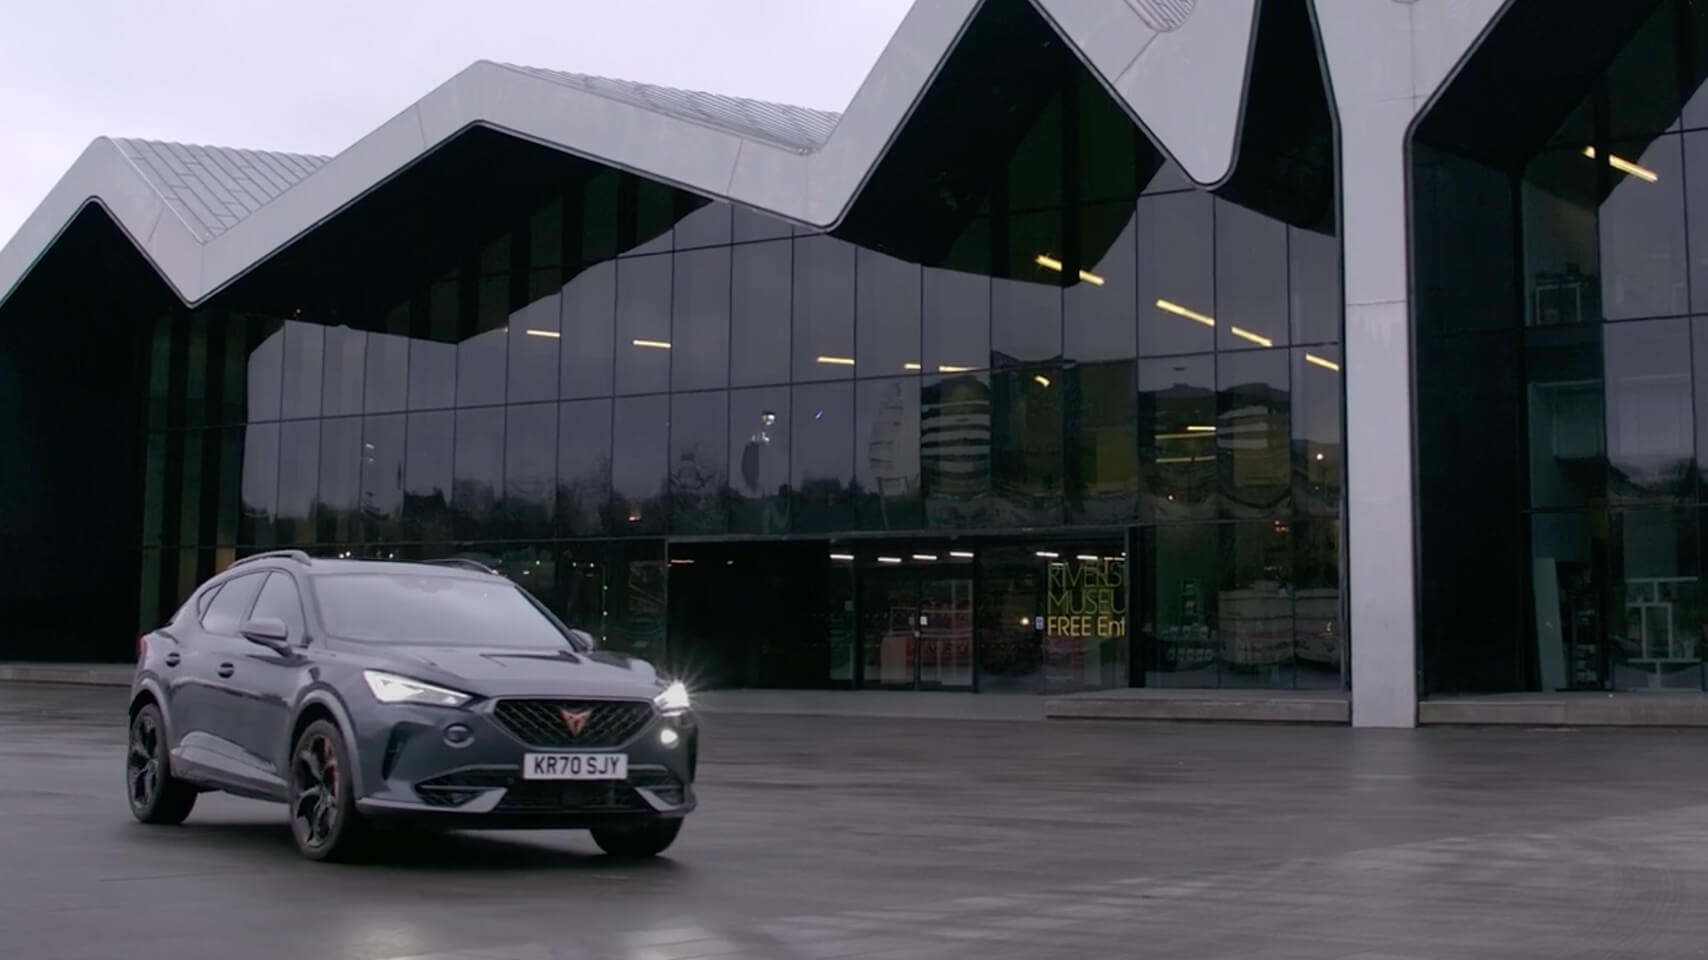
(1561, 204)
(558, 370)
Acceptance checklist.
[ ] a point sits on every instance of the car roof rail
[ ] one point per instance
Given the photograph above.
(462, 562)
(297, 555)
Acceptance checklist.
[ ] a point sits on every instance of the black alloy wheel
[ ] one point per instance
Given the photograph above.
(636, 843)
(324, 821)
(155, 795)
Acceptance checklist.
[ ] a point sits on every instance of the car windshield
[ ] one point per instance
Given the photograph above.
(432, 609)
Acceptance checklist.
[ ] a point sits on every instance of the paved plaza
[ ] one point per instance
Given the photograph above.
(824, 837)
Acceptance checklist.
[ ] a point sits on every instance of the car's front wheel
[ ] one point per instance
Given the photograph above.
(155, 795)
(324, 819)
(638, 842)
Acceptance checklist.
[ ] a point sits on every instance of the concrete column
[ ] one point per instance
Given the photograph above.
(1386, 60)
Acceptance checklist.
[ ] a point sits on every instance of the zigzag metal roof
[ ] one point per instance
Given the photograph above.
(204, 216)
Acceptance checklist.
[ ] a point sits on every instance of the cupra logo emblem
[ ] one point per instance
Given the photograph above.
(575, 720)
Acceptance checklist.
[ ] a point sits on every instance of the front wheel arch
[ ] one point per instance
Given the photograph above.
(321, 705)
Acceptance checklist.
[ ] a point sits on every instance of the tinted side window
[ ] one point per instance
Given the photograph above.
(280, 601)
(231, 605)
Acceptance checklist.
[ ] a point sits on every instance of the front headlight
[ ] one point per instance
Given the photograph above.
(391, 688)
(674, 697)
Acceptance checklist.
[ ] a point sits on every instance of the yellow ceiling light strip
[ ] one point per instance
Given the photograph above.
(549, 334)
(1323, 362)
(837, 361)
(1625, 166)
(655, 344)
(1169, 306)
(1051, 263)
(1261, 341)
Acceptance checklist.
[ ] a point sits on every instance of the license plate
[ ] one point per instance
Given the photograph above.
(575, 766)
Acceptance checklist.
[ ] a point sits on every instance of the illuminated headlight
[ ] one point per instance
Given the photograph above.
(673, 699)
(391, 688)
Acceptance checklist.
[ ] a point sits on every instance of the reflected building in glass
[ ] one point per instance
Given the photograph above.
(1040, 408)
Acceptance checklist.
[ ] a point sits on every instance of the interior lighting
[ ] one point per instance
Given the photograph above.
(1041, 380)
(1625, 166)
(548, 334)
(925, 556)
(1047, 554)
(1199, 428)
(1169, 306)
(837, 361)
(1258, 339)
(911, 366)
(961, 554)
(845, 557)
(946, 368)
(1323, 362)
(889, 559)
(1051, 263)
(654, 344)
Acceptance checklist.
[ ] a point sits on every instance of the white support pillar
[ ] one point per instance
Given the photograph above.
(1386, 60)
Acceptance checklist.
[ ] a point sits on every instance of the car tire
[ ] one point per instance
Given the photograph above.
(636, 843)
(322, 803)
(155, 795)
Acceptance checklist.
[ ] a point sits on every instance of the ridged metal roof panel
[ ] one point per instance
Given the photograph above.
(212, 188)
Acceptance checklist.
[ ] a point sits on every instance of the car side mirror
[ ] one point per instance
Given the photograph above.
(585, 638)
(267, 632)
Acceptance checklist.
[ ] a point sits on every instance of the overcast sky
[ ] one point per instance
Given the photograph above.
(313, 76)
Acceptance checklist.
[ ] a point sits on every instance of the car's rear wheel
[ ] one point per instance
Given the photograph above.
(638, 842)
(324, 819)
(155, 795)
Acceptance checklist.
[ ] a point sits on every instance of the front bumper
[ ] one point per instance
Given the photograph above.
(416, 767)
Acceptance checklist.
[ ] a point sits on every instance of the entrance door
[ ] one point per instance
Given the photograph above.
(916, 631)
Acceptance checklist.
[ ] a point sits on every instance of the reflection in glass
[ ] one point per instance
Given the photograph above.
(479, 472)
(1185, 591)
(534, 336)
(887, 453)
(1317, 457)
(1177, 438)
(1177, 262)
(583, 466)
(1567, 441)
(1097, 315)
(530, 469)
(698, 477)
(428, 476)
(823, 309)
(1251, 279)
(887, 296)
(707, 226)
(303, 364)
(1102, 435)
(639, 458)
(759, 431)
(1314, 290)
(299, 480)
(956, 321)
(338, 504)
(345, 351)
(1650, 428)
(699, 354)
(1027, 465)
(1026, 299)
(386, 382)
(1317, 636)
(822, 457)
(382, 477)
(643, 321)
(264, 379)
(759, 313)
(260, 483)
(1644, 271)
(1255, 606)
(955, 450)
(1656, 635)
(1254, 433)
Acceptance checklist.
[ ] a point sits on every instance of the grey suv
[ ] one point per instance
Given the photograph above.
(434, 694)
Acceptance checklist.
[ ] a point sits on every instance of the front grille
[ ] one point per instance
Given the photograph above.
(549, 797)
(542, 723)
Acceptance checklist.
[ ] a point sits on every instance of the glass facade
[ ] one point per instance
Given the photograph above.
(1563, 369)
(1084, 433)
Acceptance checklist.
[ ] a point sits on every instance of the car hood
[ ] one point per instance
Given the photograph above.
(494, 671)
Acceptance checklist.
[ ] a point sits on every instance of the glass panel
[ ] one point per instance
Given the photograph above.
(1567, 550)
(759, 428)
(1013, 595)
(1102, 432)
(653, 215)
(260, 483)
(1254, 433)
(1567, 443)
(535, 334)
(1026, 304)
(1316, 431)
(707, 226)
(955, 450)
(759, 313)
(823, 309)
(887, 296)
(345, 361)
(699, 430)
(1657, 630)
(1177, 439)
(699, 354)
(1314, 285)
(889, 602)
(299, 480)
(753, 225)
(1696, 207)
(382, 477)
(887, 454)
(1098, 319)
(1650, 428)
(303, 363)
(822, 457)
(265, 377)
(479, 472)
(957, 321)
(945, 629)
(1085, 616)
(643, 322)
(1317, 635)
(386, 382)
(583, 466)
(639, 462)
(338, 507)
(1026, 423)
(1255, 607)
(428, 476)
(1251, 279)
(589, 318)
(482, 357)
(1177, 265)
(530, 469)
(280, 601)
(1644, 270)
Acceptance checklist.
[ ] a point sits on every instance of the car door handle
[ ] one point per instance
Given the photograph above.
(226, 670)
(171, 659)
